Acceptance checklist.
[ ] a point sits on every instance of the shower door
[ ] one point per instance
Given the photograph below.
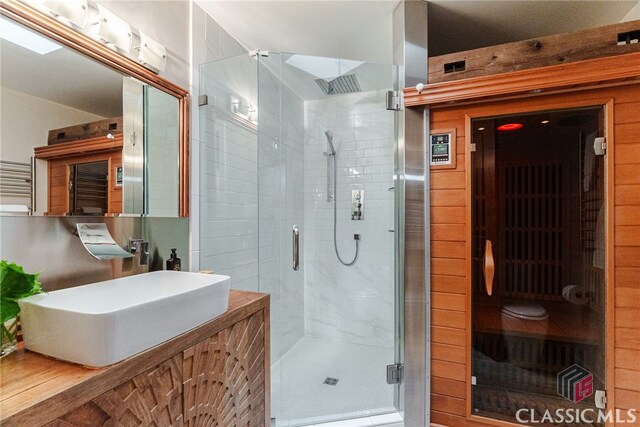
(538, 266)
(264, 170)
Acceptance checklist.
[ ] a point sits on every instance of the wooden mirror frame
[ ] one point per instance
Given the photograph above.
(55, 30)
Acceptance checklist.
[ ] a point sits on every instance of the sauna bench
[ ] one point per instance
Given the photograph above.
(565, 323)
(159, 386)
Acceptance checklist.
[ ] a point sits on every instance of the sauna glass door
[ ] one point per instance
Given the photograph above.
(538, 265)
(89, 188)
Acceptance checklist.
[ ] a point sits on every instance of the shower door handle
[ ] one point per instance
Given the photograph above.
(296, 247)
(489, 267)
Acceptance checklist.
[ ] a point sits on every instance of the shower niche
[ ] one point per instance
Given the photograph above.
(537, 261)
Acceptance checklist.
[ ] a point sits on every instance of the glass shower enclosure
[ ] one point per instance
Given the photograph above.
(297, 168)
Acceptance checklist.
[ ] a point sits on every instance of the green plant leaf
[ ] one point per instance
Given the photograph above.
(8, 310)
(15, 283)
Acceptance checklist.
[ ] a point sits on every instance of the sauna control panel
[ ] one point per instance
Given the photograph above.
(442, 149)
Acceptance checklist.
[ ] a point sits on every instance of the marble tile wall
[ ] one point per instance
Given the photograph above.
(353, 304)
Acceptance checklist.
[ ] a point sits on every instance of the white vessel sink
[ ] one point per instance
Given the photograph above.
(106, 322)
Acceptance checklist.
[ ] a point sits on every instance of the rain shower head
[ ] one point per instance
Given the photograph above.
(329, 136)
(347, 83)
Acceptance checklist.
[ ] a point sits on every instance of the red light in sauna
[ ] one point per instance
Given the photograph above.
(508, 127)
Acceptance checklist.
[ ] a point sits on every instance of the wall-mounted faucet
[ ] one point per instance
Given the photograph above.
(142, 247)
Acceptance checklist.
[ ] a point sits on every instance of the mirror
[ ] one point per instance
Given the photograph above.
(78, 137)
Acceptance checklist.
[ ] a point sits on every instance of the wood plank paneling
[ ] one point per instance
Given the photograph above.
(448, 318)
(628, 215)
(454, 371)
(447, 197)
(627, 195)
(628, 154)
(451, 284)
(627, 297)
(444, 249)
(627, 359)
(449, 336)
(627, 399)
(628, 256)
(626, 133)
(447, 404)
(451, 180)
(627, 235)
(448, 215)
(448, 266)
(627, 174)
(628, 379)
(448, 387)
(448, 301)
(628, 277)
(627, 318)
(628, 112)
(448, 232)
(628, 338)
(448, 353)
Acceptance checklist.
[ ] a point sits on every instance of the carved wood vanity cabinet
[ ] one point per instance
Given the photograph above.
(215, 374)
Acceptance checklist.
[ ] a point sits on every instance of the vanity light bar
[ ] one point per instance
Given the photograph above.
(73, 13)
(97, 22)
(113, 30)
(152, 54)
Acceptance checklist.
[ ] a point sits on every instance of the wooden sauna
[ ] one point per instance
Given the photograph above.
(84, 168)
(556, 213)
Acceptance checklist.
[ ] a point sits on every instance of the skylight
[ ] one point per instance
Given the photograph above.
(21, 36)
(324, 68)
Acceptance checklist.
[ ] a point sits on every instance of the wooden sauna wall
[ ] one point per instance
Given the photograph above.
(449, 277)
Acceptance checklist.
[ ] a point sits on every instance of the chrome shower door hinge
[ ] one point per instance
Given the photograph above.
(394, 100)
(256, 52)
(203, 100)
(394, 373)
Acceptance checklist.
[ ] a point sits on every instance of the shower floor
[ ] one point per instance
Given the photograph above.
(300, 396)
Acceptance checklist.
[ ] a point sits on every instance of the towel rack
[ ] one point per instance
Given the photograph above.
(17, 179)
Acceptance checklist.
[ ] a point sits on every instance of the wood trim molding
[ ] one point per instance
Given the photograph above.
(619, 68)
(62, 34)
(79, 148)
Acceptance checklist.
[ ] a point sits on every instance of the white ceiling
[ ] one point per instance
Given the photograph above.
(362, 29)
(340, 29)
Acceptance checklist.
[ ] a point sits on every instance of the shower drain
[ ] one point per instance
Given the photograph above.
(331, 381)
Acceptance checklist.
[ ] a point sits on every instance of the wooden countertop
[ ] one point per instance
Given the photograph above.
(32, 385)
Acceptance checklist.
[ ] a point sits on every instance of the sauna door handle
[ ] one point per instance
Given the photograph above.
(489, 267)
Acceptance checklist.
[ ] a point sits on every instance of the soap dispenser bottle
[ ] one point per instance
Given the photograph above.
(173, 263)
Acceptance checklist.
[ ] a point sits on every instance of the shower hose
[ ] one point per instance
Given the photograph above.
(335, 218)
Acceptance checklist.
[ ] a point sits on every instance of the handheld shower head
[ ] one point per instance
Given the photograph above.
(329, 136)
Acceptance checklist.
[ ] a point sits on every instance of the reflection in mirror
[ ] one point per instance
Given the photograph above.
(76, 139)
